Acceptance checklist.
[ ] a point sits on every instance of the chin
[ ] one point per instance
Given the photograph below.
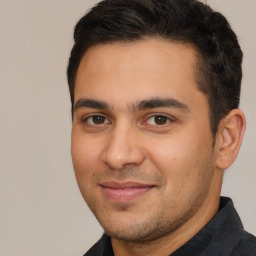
(131, 228)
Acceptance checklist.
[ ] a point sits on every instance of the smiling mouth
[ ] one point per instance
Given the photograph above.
(124, 192)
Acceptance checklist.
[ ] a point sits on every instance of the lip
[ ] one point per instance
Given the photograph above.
(126, 191)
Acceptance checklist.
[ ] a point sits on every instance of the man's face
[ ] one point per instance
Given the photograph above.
(141, 138)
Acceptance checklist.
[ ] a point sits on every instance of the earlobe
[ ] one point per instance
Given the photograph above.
(230, 135)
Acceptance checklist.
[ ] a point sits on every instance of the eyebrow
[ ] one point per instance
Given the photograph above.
(89, 103)
(145, 104)
(161, 102)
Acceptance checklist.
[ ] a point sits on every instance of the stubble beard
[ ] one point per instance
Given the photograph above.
(155, 224)
(145, 231)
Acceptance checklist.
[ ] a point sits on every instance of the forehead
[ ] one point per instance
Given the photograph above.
(138, 70)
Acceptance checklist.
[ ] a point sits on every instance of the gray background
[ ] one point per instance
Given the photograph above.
(41, 210)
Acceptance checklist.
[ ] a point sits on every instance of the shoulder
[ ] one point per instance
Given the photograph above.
(96, 248)
(246, 245)
(102, 248)
(93, 251)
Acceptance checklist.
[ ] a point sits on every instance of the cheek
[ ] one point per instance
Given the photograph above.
(181, 161)
(84, 157)
(186, 146)
(172, 154)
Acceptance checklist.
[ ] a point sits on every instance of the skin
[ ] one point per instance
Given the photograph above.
(142, 146)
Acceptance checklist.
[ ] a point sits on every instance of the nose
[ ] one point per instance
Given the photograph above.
(123, 149)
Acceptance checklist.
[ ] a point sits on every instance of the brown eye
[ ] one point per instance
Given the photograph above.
(97, 120)
(160, 120)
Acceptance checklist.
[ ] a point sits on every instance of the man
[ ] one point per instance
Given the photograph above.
(155, 90)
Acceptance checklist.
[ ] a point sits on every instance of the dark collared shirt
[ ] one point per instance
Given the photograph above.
(222, 236)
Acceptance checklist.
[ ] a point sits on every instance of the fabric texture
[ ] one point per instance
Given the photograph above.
(222, 236)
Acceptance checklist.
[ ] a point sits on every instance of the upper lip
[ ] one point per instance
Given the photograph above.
(123, 185)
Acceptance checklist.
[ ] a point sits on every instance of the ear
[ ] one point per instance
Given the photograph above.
(229, 136)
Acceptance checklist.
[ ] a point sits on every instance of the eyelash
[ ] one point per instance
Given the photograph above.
(85, 119)
(166, 118)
